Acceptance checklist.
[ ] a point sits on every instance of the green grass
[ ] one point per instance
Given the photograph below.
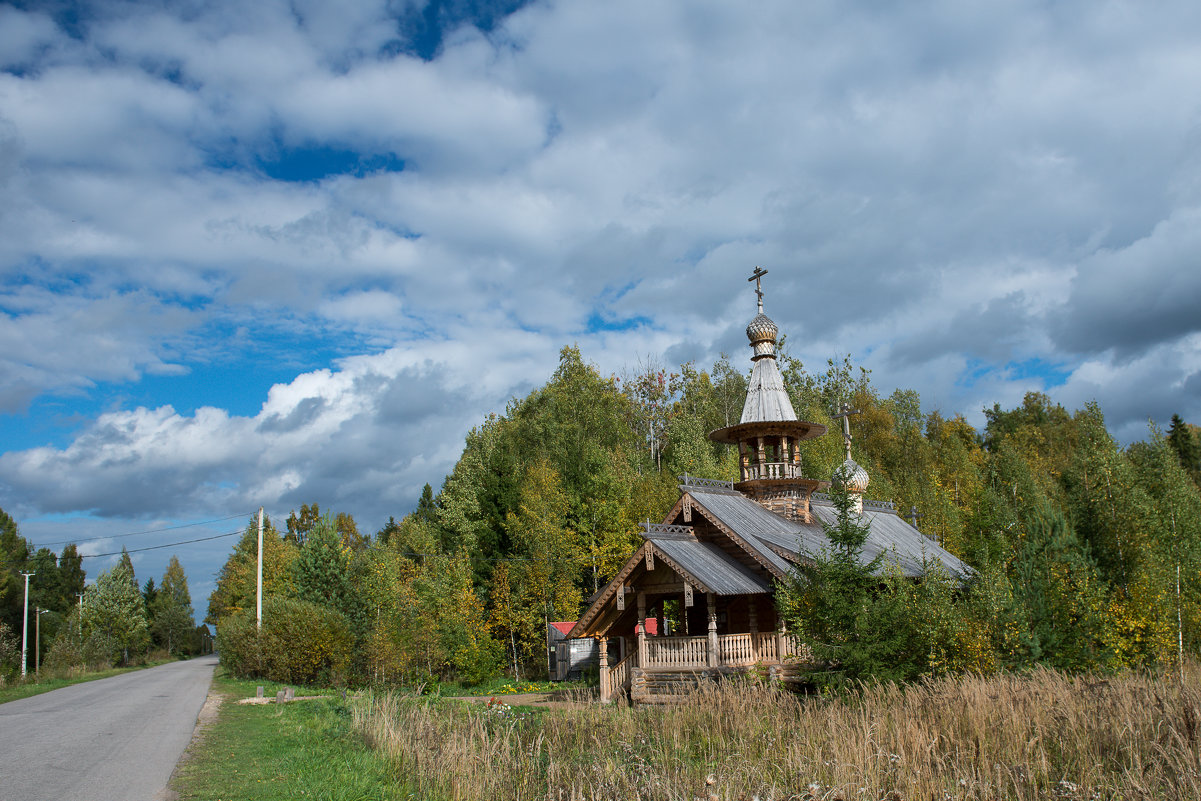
(505, 686)
(29, 687)
(306, 749)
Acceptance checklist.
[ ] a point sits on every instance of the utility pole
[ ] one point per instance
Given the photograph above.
(260, 584)
(25, 625)
(37, 645)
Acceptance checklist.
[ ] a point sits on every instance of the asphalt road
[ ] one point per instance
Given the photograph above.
(115, 739)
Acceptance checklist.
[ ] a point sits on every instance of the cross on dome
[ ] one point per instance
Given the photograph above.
(845, 412)
(756, 276)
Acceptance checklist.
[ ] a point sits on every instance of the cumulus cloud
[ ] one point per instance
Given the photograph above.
(974, 201)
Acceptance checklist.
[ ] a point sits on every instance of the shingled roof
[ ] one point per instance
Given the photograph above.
(763, 530)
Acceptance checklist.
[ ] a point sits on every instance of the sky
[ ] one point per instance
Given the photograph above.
(274, 253)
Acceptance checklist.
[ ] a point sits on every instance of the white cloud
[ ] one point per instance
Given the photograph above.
(950, 193)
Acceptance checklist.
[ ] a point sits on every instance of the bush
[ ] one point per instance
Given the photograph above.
(300, 643)
(10, 653)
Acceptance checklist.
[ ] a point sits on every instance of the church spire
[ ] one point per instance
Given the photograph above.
(769, 434)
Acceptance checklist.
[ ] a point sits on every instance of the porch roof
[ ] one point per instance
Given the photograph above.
(706, 565)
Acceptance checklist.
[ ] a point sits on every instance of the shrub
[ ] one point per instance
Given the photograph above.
(10, 653)
(300, 643)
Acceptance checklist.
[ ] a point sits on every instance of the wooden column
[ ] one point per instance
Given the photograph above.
(761, 454)
(714, 654)
(781, 639)
(606, 688)
(744, 460)
(641, 629)
(753, 614)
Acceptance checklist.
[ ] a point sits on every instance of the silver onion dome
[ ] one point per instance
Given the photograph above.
(761, 328)
(856, 476)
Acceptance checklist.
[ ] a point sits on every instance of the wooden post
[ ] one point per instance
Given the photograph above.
(762, 456)
(753, 613)
(781, 639)
(606, 690)
(714, 656)
(641, 629)
(744, 460)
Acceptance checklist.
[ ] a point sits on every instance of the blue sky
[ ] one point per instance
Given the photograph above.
(287, 252)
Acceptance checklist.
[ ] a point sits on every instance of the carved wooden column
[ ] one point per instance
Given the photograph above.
(761, 455)
(714, 655)
(753, 614)
(744, 460)
(606, 689)
(781, 640)
(641, 630)
(784, 451)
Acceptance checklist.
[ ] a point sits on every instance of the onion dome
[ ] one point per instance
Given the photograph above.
(857, 478)
(762, 334)
(761, 328)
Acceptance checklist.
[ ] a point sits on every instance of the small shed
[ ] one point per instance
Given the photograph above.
(569, 658)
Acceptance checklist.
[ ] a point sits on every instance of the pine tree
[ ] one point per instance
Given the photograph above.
(1060, 594)
(827, 601)
(115, 611)
(321, 567)
(1184, 442)
(173, 619)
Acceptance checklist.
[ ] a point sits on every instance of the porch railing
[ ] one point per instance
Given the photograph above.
(676, 652)
(732, 649)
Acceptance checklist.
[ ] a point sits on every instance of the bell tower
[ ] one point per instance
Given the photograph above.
(769, 434)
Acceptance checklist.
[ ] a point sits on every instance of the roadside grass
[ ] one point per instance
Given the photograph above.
(30, 687)
(1036, 735)
(265, 752)
(503, 686)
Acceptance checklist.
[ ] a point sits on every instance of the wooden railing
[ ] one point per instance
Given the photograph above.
(676, 652)
(755, 470)
(732, 649)
(618, 678)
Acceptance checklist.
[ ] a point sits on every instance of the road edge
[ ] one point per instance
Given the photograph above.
(204, 722)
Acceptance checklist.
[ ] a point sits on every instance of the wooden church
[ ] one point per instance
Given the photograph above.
(712, 565)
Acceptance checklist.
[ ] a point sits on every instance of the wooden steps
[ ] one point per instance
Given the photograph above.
(672, 686)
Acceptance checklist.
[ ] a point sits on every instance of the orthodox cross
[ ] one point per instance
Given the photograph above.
(756, 276)
(913, 516)
(845, 412)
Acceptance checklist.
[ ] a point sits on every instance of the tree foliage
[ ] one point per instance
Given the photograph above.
(1076, 542)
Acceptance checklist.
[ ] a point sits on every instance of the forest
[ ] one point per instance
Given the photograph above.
(1086, 553)
(75, 627)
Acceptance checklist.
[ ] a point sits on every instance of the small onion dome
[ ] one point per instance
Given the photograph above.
(761, 328)
(857, 477)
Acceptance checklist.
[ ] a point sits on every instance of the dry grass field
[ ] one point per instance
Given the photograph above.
(1040, 735)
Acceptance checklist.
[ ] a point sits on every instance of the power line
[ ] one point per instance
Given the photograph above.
(157, 547)
(138, 533)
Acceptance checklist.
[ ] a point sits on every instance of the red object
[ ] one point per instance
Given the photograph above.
(564, 626)
(652, 626)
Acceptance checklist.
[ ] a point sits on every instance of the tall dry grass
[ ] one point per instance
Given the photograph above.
(1039, 735)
